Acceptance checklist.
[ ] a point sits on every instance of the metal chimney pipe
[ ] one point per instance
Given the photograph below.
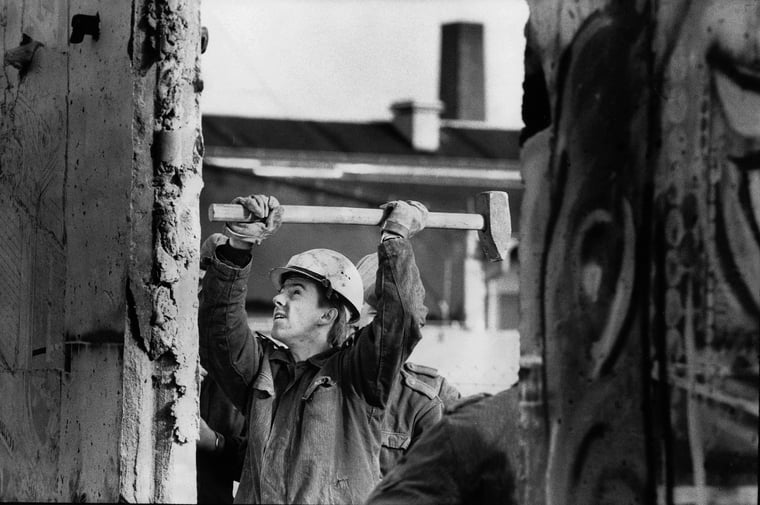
(462, 78)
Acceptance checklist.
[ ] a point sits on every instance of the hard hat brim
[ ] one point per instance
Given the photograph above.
(276, 276)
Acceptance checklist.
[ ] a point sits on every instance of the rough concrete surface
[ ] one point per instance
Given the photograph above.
(99, 180)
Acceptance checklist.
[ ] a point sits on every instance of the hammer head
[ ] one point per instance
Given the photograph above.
(497, 231)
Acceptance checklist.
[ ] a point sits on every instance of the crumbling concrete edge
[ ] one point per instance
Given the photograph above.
(161, 378)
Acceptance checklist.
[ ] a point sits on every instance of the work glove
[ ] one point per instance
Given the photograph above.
(268, 214)
(404, 218)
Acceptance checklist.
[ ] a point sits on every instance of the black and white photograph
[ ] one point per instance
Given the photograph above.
(380, 252)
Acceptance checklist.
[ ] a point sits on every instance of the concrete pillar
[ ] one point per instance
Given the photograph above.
(639, 253)
(100, 161)
(160, 423)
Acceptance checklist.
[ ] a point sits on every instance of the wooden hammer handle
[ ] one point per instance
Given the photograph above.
(343, 215)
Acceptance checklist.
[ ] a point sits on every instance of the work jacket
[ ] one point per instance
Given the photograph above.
(468, 458)
(315, 438)
(417, 402)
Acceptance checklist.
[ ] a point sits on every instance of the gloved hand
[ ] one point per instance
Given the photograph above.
(404, 218)
(268, 214)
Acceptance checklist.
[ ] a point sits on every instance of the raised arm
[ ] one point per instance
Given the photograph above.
(228, 349)
(382, 347)
(227, 346)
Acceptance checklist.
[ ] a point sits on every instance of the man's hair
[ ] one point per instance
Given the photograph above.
(339, 330)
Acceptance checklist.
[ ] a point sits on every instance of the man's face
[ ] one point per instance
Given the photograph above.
(298, 307)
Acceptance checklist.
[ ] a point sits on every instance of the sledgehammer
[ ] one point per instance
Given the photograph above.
(492, 220)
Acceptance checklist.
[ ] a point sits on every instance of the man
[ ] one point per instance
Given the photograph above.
(467, 458)
(313, 409)
(419, 395)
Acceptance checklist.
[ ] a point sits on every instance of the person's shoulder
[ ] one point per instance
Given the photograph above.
(468, 403)
(502, 405)
(472, 424)
(425, 372)
(430, 376)
(422, 379)
(486, 425)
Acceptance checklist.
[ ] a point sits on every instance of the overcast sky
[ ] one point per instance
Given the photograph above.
(347, 60)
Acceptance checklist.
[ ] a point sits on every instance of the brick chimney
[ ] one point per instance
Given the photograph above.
(419, 123)
(462, 79)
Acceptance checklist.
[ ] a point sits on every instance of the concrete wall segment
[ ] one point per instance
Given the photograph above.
(160, 375)
(32, 247)
(98, 182)
(648, 368)
(77, 253)
(90, 422)
(583, 221)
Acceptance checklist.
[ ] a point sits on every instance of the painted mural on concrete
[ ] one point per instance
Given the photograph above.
(706, 297)
(640, 272)
(585, 263)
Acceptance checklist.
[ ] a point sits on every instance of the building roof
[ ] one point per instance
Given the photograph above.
(371, 138)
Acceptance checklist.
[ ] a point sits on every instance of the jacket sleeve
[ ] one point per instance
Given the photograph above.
(228, 348)
(448, 394)
(383, 346)
(426, 418)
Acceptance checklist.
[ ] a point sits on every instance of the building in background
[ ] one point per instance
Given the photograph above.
(438, 152)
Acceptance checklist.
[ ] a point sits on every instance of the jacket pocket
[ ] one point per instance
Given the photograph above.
(394, 440)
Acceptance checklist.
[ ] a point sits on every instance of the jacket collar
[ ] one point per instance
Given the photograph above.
(319, 359)
(285, 356)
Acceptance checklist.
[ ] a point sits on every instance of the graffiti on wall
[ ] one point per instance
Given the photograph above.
(706, 308)
(587, 267)
(641, 242)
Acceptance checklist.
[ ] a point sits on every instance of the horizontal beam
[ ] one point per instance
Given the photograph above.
(507, 176)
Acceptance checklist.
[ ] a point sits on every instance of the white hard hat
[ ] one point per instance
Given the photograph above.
(330, 269)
